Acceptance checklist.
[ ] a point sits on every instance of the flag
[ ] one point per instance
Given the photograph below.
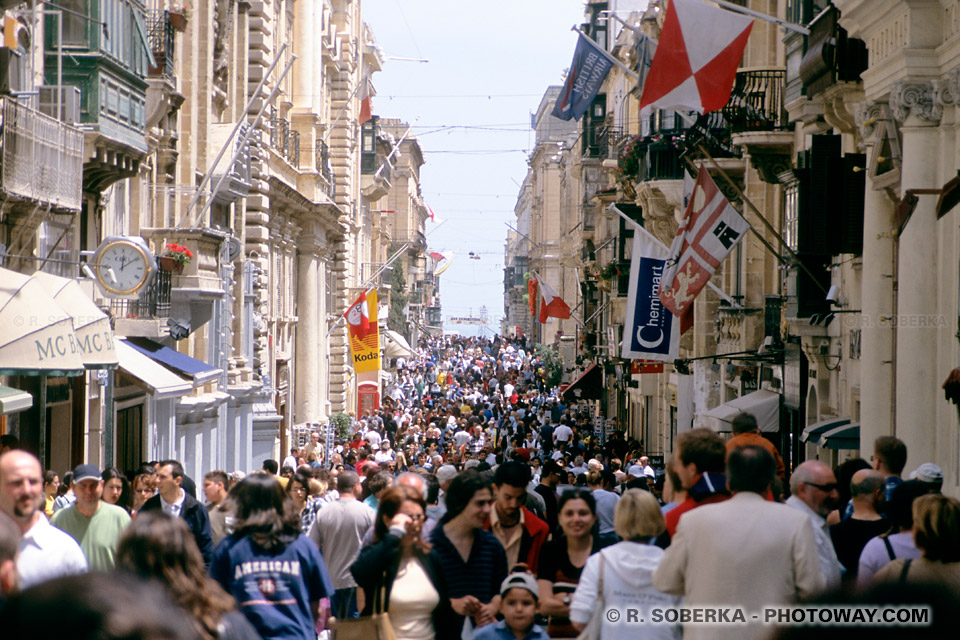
(532, 295)
(366, 93)
(364, 332)
(710, 228)
(651, 331)
(551, 305)
(433, 217)
(697, 57)
(443, 259)
(587, 72)
(645, 49)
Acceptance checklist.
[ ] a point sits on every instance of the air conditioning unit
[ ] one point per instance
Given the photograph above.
(69, 105)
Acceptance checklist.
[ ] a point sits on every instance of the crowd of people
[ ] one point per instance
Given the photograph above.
(475, 503)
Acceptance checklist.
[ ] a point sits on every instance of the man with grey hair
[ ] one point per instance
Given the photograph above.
(813, 489)
(868, 495)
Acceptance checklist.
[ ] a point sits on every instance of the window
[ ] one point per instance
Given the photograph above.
(791, 214)
(74, 26)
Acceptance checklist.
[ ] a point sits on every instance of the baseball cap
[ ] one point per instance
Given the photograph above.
(520, 581)
(635, 471)
(927, 472)
(86, 472)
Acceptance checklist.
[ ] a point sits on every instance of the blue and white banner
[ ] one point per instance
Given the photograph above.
(650, 331)
(587, 73)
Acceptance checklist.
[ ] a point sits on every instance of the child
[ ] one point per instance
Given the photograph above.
(519, 596)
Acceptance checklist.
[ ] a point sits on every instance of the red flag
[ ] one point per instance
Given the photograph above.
(697, 57)
(532, 295)
(366, 104)
(358, 313)
(709, 231)
(552, 306)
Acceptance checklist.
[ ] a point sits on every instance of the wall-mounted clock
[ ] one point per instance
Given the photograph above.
(123, 266)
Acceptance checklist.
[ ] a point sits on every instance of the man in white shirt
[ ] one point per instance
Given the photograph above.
(385, 454)
(373, 439)
(562, 435)
(45, 551)
(813, 489)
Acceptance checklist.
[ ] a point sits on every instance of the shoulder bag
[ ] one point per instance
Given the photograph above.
(372, 627)
(592, 630)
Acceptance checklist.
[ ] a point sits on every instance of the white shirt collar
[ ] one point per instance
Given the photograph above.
(174, 507)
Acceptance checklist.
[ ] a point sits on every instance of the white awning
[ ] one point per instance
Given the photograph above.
(90, 324)
(395, 345)
(36, 335)
(156, 378)
(764, 405)
(13, 400)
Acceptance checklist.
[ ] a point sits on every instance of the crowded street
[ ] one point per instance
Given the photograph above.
(513, 320)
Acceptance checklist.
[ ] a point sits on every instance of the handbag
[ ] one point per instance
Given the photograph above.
(372, 627)
(592, 630)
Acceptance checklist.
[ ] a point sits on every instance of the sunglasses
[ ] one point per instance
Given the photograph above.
(826, 488)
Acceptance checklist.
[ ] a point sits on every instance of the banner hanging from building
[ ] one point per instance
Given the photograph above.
(587, 72)
(650, 332)
(364, 332)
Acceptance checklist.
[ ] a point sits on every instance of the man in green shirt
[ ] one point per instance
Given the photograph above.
(94, 524)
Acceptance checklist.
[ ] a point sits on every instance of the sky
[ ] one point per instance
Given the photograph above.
(489, 65)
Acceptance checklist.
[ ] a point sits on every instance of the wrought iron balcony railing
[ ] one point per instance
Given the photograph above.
(284, 139)
(154, 303)
(161, 36)
(42, 158)
(325, 168)
(756, 102)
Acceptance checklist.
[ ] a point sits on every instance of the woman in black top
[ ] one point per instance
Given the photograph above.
(399, 557)
(563, 558)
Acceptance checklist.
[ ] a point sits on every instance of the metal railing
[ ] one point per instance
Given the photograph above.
(756, 101)
(325, 168)
(154, 303)
(284, 139)
(42, 157)
(161, 36)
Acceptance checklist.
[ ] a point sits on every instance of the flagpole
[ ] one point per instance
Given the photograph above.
(717, 290)
(763, 219)
(606, 55)
(762, 16)
(366, 284)
(572, 316)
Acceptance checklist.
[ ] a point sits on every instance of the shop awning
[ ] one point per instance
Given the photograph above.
(395, 345)
(589, 386)
(196, 370)
(36, 335)
(154, 377)
(814, 432)
(764, 405)
(90, 324)
(843, 437)
(13, 400)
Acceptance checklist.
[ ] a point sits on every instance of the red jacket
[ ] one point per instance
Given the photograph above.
(535, 533)
(709, 488)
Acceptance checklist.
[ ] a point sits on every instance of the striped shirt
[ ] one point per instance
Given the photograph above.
(482, 573)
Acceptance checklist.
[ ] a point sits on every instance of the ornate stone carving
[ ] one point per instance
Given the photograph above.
(222, 29)
(770, 165)
(915, 99)
(868, 116)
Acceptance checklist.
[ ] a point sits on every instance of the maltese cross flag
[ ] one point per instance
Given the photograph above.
(697, 57)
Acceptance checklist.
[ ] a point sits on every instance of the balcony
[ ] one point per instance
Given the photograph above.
(759, 122)
(42, 158)
(147, 316)
(325, 169)
(367, 269)
(284, 140)
(161, 36)
(239, 177)
(415, 239)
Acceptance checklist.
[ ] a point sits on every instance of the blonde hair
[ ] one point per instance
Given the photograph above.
(638, 516)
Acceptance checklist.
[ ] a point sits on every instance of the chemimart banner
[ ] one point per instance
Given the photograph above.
(651, 331)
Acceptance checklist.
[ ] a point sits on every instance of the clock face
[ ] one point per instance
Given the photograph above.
(123, 267)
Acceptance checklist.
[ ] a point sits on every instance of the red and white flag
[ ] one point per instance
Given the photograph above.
(358, 313)
(551, 305)
(365, 94)
(697, 57)
(709, 231)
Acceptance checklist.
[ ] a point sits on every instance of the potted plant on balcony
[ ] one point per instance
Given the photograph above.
(179, 17)
(175, 257)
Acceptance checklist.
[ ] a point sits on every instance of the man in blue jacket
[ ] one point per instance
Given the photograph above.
(173, 500)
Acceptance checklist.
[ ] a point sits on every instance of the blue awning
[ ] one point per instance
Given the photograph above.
(844, 437)
(813, 432)
(196, 370)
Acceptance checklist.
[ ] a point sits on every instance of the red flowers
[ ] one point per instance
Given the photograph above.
(178, 252)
